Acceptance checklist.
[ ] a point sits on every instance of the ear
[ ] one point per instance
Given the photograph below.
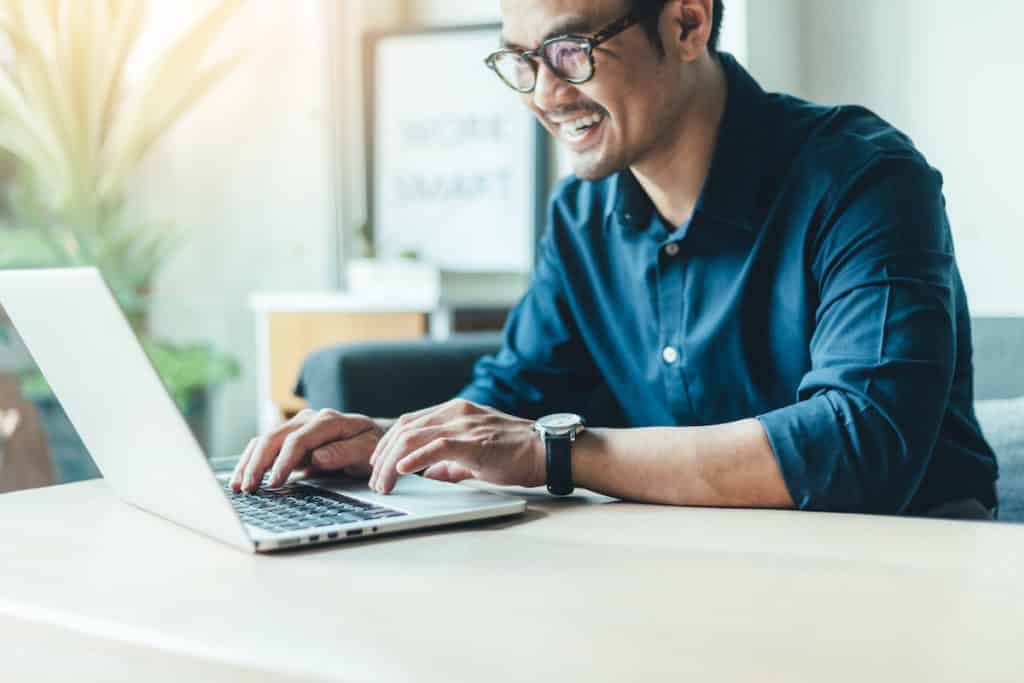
(690, 26)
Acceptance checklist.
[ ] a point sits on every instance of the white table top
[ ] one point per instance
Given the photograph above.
(340, 302)
(615, 592)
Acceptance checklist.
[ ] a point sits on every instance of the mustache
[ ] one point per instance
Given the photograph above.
(565, 112)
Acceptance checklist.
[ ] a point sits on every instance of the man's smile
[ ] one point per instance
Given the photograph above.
(579, 129)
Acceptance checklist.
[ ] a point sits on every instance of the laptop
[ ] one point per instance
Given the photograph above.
(75, 331)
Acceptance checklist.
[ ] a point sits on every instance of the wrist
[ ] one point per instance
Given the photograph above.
(539, 457)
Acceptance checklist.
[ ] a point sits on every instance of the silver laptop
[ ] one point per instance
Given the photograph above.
(74, 329)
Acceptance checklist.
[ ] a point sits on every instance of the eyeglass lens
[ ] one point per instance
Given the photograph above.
(569, 59)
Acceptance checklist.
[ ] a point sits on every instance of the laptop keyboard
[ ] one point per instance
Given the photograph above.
(298, 506)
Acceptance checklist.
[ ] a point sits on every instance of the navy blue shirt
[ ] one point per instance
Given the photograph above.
(815, 288)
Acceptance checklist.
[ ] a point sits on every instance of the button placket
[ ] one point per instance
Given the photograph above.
(671, 356)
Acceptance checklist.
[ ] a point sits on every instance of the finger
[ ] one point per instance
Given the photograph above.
(243, 460)
(291, 456)
(452, 415)
(448, 471)
(267, 447)
(447, 445)
(338, 455)
(442, 448)
(460, 453)
(407, 442)
(420, 418)
(402, 423)
(328, 426)
(357, 471)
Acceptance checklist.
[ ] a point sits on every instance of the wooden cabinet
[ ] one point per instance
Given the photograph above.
(291, 326)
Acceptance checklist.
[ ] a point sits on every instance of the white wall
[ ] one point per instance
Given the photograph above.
(453, 12)
(773, 43)
(949, 75)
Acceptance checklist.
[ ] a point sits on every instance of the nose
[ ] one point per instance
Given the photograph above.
(550, 92)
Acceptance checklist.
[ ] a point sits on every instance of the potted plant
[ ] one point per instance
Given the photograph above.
(74, 129)
(373, 276)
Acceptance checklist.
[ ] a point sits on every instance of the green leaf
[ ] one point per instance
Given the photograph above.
(28, 249)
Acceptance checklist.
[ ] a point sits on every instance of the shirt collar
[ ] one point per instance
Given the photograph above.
(731, 190)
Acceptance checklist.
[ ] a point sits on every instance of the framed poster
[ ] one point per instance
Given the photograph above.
(457, 167)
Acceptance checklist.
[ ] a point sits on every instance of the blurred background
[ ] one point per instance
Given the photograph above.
(221, 178)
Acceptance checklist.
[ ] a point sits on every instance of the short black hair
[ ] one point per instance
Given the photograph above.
(651, 10)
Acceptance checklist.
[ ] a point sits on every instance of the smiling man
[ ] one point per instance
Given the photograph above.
(767, 287)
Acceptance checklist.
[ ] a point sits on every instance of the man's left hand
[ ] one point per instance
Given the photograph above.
(460, 440)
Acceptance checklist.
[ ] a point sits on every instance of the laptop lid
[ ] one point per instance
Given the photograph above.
(75, 331)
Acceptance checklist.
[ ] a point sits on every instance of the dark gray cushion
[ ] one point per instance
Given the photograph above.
(388, 379)
(1002, 421)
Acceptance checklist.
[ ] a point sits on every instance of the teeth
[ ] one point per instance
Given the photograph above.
(581, 123)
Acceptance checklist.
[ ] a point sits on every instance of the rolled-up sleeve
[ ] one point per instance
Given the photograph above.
(867, 414)
(543, 365)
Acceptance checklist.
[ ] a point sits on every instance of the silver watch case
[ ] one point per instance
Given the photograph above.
(559, 425)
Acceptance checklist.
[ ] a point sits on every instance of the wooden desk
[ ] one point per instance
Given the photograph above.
(91, 589)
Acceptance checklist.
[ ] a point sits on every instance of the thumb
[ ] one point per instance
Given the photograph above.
(449, 471)
(338, 454)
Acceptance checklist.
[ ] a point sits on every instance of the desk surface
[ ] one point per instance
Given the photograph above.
(576, 588)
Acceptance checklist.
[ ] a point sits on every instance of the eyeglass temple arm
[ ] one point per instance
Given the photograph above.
(616, 28)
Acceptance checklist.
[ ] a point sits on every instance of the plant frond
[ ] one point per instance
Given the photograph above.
(169, 81)
(146, 135)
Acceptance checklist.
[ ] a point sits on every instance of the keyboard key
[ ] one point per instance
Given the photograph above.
(297, 506)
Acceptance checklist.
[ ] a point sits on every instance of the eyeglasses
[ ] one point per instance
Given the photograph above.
(570, 57)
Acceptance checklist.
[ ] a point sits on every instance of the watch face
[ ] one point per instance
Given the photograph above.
(562, 422)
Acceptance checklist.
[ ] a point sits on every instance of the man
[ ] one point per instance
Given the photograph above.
(767, 287)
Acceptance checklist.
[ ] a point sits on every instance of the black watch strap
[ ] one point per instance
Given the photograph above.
(559, 450)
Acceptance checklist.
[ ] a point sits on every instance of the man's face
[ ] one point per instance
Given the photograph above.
(614, 120)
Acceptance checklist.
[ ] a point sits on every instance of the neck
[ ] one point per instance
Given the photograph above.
(673, 175)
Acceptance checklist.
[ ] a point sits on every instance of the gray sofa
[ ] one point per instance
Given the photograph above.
(386, 379)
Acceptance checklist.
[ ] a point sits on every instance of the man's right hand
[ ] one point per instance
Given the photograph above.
(323, 440)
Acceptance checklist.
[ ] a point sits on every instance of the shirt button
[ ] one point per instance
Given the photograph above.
(672, 249)
(670, 355)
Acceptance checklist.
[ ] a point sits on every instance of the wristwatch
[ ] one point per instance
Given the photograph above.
(558, 432)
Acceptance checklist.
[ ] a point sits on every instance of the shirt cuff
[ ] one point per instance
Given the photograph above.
(808, 445)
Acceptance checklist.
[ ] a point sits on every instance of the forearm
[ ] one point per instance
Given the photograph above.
(730, 465)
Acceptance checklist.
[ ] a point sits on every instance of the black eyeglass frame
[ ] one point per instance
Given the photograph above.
(587, 42)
